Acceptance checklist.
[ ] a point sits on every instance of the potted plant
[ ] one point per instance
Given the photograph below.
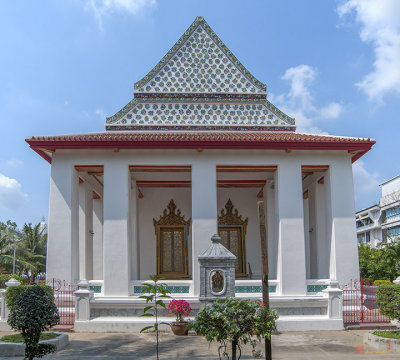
(180, 308)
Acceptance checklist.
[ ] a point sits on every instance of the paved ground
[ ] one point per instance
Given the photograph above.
(341, 345)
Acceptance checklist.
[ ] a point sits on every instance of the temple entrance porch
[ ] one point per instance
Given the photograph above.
(132, 221)
(161, 227)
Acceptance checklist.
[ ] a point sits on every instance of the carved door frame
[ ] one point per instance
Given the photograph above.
(229, 219)
(172, 219)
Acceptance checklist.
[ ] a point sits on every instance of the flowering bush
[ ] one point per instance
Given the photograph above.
(234, 320)
(180, 308)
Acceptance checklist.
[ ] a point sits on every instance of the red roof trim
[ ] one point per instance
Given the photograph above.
(285, 141)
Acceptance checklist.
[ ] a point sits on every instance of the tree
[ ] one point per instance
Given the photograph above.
(29, 245)
(34, 312)
(32, 245)
(391, 258)
(380, 263)
(234, 320)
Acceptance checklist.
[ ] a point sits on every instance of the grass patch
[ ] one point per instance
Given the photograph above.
(17, 338)
(389, 334)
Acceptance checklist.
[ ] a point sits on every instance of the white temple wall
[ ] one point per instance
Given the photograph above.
(152, 205)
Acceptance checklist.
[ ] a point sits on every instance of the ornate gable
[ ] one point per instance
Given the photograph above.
(200, 63)
(200, 85)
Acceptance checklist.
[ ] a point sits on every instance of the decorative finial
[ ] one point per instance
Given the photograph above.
(216, 239)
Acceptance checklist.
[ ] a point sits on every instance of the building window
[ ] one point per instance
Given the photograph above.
(367, 237)
(392, 232)
(360, 238)
(232, 230)
(172, 232)
(392, 212)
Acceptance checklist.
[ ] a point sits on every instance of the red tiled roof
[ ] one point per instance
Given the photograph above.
(201, 140)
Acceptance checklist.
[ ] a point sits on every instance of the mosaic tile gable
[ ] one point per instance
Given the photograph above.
(200, 85)
(163, 113)
(200, 62)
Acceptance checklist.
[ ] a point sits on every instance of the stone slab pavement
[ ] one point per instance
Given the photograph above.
(343, 345)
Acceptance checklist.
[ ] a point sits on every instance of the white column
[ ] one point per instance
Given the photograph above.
(62, 238)
(204, 213)
(269, 201)
(85, 231)
(134, 232)
(312, 232)
(98, 239)
(322, 242)
(306, 217)
(341, 226)
(291, 251)
(116, 194)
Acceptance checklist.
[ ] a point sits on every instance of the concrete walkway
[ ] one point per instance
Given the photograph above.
(290, 345)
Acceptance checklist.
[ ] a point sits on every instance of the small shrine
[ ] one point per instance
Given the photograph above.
(217, 271)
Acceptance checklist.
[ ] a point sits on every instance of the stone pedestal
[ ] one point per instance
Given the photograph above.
(82, 301)
(334, 300)
(217, 271)
(4, 311)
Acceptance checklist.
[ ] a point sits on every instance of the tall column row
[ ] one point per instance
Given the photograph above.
(319, 245)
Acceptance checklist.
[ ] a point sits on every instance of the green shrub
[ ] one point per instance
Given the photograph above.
(14, 292)
(34, 312)
(382, 282)
(235, 320)
(5, 277)
(388, 300)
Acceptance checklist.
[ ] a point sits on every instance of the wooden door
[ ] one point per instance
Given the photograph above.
(172, 252)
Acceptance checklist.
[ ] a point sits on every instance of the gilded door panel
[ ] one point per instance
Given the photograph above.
(231, 238)
(172, 252)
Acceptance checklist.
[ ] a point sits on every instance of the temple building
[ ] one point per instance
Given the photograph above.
(189, 157)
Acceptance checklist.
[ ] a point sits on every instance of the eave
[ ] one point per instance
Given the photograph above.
(356, 147)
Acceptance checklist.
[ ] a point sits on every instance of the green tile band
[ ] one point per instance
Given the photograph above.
(315, 288)
(95, 288)
(240, 289)
(172, 289)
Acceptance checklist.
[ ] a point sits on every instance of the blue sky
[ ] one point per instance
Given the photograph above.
(65, 65)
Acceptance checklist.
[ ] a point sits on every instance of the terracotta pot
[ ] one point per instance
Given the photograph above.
(180, 328)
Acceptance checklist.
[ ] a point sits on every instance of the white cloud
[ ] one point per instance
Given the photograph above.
(299, 101)
(331, 111)
(102, 8)
(11, 194)
(366, 184)
(101, 113)
(13, 162)
(380, 26)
